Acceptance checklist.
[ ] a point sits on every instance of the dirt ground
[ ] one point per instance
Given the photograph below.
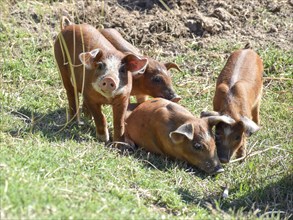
(174, 27)
(174, 24)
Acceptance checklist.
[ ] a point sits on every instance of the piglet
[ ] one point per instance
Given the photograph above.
(154, 80)
(91, 66)
(238, 94)
(165, 127)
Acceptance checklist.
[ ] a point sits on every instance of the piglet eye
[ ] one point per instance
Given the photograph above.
(122, 68)
(237, 138)
(157, 79)
(100, 65)
(197, 146)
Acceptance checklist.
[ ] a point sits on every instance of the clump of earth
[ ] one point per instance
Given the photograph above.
(173, 24)
(176, 26)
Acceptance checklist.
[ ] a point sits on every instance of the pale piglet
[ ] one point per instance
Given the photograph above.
(154, 80)
(238, 94)
(164, 127)
(91, 66)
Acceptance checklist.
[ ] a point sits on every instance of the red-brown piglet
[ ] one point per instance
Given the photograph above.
(165, 127)
(238, 94)
(90, 65)
(155, 80)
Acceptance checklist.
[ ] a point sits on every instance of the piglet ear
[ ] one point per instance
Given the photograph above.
(204, 114)
(171, 65)
(249, 125)
(65, 22)
(135, 64)
(214, 120)
(183, 131)
(89, 59)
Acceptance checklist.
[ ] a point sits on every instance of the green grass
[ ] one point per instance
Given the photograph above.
(52, 171)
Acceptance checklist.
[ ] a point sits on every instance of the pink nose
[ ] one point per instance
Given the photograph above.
(108, 84)
(176, 99)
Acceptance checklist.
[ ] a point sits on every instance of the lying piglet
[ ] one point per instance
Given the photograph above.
(90, 65)
(164, 127)
(154, 80)
(238, 94)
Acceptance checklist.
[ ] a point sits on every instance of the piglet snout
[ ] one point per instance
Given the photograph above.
(108, 84)
(176, 98)
(218, 169)
(224, 159)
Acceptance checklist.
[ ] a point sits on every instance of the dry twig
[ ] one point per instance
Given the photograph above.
(250, 154)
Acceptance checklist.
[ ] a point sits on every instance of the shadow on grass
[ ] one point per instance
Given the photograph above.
(52, 126)
(273, 201)
(165, 163)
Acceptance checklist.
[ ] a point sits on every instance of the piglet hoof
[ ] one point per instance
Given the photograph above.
(122, 147)
(104, 137)
(218, 169)
(126, 149)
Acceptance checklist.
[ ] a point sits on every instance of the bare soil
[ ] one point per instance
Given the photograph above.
(174, 24)
(175, 27)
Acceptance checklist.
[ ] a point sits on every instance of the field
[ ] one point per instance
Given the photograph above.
(54, 170)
